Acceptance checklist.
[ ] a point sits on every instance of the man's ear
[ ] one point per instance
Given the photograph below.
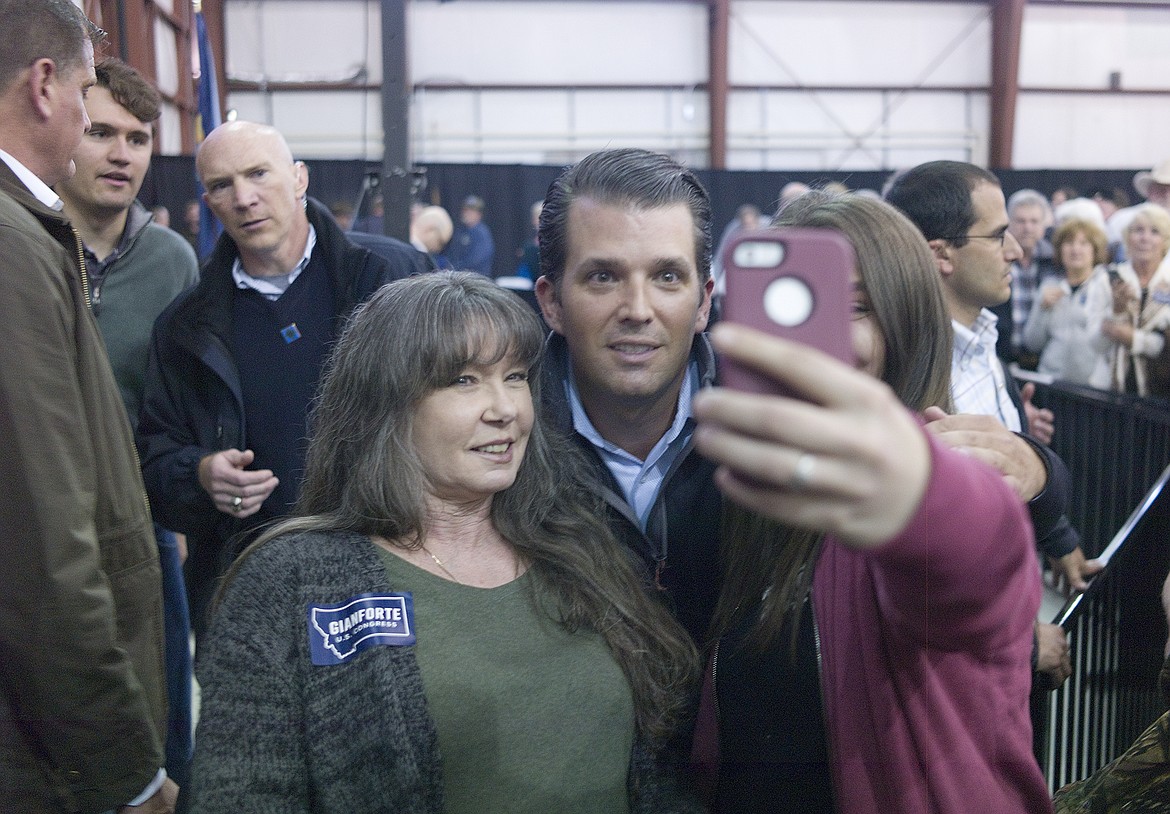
(302, 175)
(942, 251)
(704, 315)
(550, 304)
(40, 86)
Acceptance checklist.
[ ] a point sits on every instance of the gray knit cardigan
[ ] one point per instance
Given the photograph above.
(278, 734)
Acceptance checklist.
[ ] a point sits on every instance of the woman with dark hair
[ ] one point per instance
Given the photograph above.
(446, 625)
(875, 627)
(1061, 325)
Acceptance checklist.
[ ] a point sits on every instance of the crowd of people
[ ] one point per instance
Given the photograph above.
(1087, 298)
(1089, 289)
(442, 551)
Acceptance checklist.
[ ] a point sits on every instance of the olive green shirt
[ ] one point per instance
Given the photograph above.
(530, 718)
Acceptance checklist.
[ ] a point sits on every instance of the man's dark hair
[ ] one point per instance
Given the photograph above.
(40, 29)
(936, 196)
(626, 177)
(129, 89)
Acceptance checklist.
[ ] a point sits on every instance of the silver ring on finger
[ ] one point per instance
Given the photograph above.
(237, 502)
(803, 471)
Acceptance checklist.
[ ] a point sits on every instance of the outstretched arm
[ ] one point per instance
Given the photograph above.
(867, 483)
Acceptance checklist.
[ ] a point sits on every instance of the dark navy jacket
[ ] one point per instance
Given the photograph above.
(680, 548)
(193, 405)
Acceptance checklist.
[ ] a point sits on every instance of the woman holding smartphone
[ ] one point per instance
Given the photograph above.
(875, 627)
(1132, 333)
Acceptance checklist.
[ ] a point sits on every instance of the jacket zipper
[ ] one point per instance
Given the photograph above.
(97, 287)
(715, 682)
(81, 267)
(812, 609)
(89, 304)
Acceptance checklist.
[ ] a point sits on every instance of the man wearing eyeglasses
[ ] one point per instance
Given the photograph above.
(960, 209)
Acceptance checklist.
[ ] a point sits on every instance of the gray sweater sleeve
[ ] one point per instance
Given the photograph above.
(250, 754)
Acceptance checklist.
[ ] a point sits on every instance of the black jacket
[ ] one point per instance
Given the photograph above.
(680, 547)
(1055, 535)
(193, 404)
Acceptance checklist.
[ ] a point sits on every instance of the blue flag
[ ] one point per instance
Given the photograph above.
(207, 119)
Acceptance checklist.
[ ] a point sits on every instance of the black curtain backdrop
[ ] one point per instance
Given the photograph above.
(509, 190)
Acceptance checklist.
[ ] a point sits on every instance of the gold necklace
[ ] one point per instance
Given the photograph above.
(439, 563)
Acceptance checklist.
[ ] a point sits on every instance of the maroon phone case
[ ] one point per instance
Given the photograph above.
(820, 258)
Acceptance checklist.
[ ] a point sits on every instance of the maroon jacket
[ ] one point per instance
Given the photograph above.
(926, 644)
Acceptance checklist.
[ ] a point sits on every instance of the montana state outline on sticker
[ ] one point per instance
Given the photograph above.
(337, 632)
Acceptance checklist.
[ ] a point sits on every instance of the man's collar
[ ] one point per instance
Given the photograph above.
(682, 413)
(244, 280)
(984, 323)
(36, 186)
(133, 220)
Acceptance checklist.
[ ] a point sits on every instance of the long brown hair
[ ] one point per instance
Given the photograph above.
(363, 474)
(768, 567)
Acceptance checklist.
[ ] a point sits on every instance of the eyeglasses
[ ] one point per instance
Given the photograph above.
(1001, 237)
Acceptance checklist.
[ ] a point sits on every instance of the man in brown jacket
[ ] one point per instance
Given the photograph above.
(82, 703)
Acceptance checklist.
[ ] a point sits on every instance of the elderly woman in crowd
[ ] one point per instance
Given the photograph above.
(1061, 326)
(1132, 327)
(875, 625)
(446, 625)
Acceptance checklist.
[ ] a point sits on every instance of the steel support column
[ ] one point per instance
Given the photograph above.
(1007, 22)
(719, 16)
(396, 179)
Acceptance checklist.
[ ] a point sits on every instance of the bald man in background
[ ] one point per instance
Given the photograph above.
(430, 232)
(234, 362)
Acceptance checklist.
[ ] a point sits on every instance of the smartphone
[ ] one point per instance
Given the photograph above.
(793, 283)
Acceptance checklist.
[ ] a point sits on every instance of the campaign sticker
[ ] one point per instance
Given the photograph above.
(337, 632)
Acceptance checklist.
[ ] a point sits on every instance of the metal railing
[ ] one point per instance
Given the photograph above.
(1117, 449)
